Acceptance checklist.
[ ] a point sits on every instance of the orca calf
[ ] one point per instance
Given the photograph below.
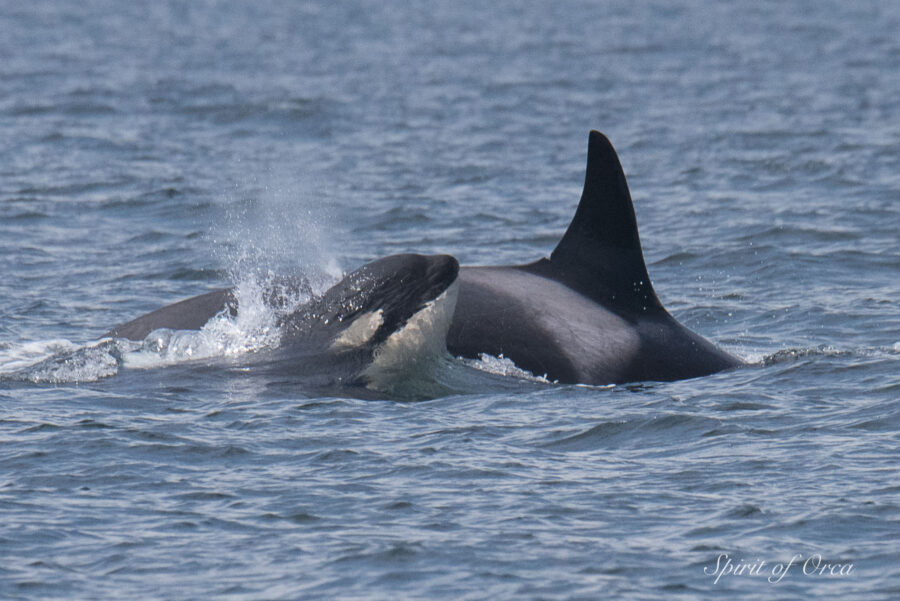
(374, 326)
(589, 313)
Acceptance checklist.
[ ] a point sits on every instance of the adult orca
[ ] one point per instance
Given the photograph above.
(373, 326)
(588, 314)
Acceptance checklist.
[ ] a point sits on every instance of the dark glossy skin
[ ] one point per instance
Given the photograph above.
(589, 313)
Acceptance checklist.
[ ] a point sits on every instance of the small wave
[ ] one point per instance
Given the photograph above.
(637, 431)
(72, 108)
(676, 258)
(797, 233)
(59, 361)
(16, 357)
(794, 354)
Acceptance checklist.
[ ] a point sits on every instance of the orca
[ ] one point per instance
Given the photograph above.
(377, 324)
(588, 314)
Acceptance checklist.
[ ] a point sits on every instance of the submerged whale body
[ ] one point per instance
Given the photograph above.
(381, 320)
(587, 314)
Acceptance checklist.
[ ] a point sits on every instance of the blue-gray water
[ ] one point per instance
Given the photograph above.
(152, 152)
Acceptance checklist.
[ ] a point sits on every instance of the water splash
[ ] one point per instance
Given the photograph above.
(280, 227)
(503, 366)
(254, 327)
(275, 245)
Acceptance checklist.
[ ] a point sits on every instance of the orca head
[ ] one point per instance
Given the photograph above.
(373, 303)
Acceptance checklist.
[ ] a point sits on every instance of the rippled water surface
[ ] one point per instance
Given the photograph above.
(153, 152)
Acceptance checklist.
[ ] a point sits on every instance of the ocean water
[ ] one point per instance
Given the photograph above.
(154, 152)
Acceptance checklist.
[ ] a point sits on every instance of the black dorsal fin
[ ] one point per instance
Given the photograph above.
(600, 254)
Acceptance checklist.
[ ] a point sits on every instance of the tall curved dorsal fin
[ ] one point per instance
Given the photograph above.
(600, 254)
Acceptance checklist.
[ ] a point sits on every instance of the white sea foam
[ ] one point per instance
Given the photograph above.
(503, 366)
(58, 361)
(19, 356)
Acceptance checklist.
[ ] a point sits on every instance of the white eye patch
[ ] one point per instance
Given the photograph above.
(360, 331)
